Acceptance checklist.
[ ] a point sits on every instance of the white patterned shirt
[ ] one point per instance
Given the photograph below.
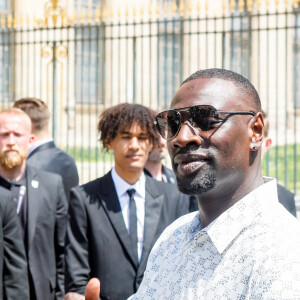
(251, 251)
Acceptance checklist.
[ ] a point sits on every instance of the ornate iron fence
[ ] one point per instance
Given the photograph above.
(82, 63)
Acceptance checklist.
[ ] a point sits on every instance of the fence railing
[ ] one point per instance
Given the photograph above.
(83, 63)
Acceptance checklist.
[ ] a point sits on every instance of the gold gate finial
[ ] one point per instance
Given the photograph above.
(54, 10)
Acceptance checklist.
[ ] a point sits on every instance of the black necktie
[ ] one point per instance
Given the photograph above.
(133, 222)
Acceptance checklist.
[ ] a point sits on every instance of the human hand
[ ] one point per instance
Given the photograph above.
(92, 292)
(73, 296)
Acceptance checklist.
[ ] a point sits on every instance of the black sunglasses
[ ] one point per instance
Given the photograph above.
(204, 117)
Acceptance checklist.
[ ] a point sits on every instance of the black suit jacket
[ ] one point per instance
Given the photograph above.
(98, 244)
(287, 199)
(46, 228)
(49, 158)
(171, 178)
(13, 264)
(168, 174)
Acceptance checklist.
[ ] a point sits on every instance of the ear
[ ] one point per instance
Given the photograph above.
(150, 146)
(265, 146)
(256, 131)
(268, 143)
(31, 139)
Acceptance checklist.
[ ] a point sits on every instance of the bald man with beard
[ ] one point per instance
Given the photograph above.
(40, 203)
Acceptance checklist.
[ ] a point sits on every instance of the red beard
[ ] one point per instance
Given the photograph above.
(11, 159)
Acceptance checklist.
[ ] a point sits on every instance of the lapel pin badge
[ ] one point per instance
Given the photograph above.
(34, 184)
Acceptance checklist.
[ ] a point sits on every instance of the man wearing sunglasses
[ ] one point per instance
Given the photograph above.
(242, 244)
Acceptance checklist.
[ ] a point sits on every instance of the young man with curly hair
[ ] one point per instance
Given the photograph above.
(115, 220)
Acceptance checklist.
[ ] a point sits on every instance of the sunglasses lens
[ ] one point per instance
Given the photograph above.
(203, 117)
(168, 123)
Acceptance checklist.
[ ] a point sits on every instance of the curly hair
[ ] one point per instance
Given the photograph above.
(116, 119)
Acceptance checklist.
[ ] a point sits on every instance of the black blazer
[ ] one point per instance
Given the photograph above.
(98, 244)
(171, 178)
(169, 174)
(13, 264)
(46, 228)
(48, 157)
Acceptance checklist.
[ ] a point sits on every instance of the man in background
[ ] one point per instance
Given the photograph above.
(41, 206)
(285, 197)
(43, 153)
(13, 264)
(115, 220)
(154, 166)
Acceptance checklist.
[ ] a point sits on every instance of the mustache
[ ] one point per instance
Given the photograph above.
(13, 148)
(192, 154)
(191, 151)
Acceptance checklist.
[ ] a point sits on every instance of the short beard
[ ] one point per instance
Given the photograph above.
(10, 161)
(156, 156)
(200, 183)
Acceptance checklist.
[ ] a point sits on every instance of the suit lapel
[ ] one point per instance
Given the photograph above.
(111, 205)
(33, 197)
(153, 206)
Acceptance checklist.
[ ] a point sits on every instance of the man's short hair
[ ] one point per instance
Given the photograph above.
(37, 110)
(241, 82)
(116, 119)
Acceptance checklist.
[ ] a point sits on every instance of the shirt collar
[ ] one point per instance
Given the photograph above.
(122, 186)
(3, 182)
(39, 143)
(8, 183)
(223, 230)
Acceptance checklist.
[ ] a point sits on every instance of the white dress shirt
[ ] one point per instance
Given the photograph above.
(121, 188)
(251, 251)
